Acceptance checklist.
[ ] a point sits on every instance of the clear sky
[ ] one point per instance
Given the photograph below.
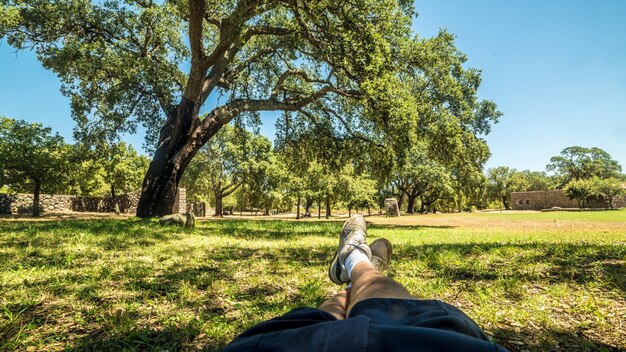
(556, 69)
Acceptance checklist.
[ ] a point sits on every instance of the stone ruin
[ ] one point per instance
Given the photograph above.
(21, 203)
(391, 207)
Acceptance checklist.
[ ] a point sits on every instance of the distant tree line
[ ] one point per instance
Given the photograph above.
(310, 170)
(583, 173)
(35, 160)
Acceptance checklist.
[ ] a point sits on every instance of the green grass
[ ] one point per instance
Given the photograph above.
(132, 285)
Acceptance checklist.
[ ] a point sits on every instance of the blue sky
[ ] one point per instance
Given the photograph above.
(556, 69)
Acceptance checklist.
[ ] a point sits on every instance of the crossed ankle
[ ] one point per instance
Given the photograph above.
(357, 256)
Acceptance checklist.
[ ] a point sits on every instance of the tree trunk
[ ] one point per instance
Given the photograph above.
(349, 212)
(179, 141)
(400, 201)
(327, 207)
(307, 207)
(505, 203)
(319, 209)
(219, 211)
(411, 205)
(36, 209)
(298, 209)
(267, 212)
(116, 206)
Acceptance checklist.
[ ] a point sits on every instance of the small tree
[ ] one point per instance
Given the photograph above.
(581, 190)
(31, 157)
(356, 191)
(225, 162)
(499, 179)
(124, 168)
(609, 188)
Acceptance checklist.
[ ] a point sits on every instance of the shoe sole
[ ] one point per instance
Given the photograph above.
(336, 278)
(389, 247)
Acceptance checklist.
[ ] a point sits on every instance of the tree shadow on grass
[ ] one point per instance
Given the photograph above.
(145, 339)
(108, 234)
(471, 263)
(545, 339)
(270, 229)
(408, 227)
(575, 263)
(287, 229)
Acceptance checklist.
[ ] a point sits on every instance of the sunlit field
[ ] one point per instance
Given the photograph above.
(532, 281)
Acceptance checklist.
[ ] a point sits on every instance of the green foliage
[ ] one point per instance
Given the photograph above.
(32, 159)
(581, 190)
(418, 176)
(108, 170)
(231, 159)
(265, 186)
(503, 180)
(352, 72)
(579, 163)
(356, 191)
(609, 188)
(123, 167)
(499, 184)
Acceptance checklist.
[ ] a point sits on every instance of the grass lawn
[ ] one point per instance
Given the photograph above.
(533, 281)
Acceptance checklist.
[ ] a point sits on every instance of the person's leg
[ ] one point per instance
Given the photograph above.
(337, 304)
(360, 264)
(368, 283)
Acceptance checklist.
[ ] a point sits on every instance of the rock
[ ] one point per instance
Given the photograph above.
(391, 207)
(185, 220)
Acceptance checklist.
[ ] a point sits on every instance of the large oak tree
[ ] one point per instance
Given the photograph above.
(184, 69)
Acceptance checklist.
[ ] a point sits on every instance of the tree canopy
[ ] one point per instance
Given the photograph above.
(32, 158)
(353, 68)
(580, 163)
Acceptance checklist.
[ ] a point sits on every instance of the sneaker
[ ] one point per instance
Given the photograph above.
(381, 254)
(352, 236)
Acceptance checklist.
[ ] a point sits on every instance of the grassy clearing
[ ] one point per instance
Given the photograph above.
(533, 281)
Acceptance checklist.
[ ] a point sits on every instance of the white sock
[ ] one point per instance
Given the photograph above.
(354, 258)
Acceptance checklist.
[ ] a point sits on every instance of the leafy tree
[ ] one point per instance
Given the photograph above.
(351, 63)
(88, 177)
(579, 163)
(32, 158)
(499, 186)
(581, 190)
(609, 188)
(267, 185)
(502, 181)
(419, 174)
(440, 188)
(524, 181)
(123, 167)
(356, 191)
(226, 162)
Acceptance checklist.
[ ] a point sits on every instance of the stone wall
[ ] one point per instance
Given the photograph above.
(547, 199)
(23, 203)
(619, 202)
(127, 203)
(180, 206)
(197, 208)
